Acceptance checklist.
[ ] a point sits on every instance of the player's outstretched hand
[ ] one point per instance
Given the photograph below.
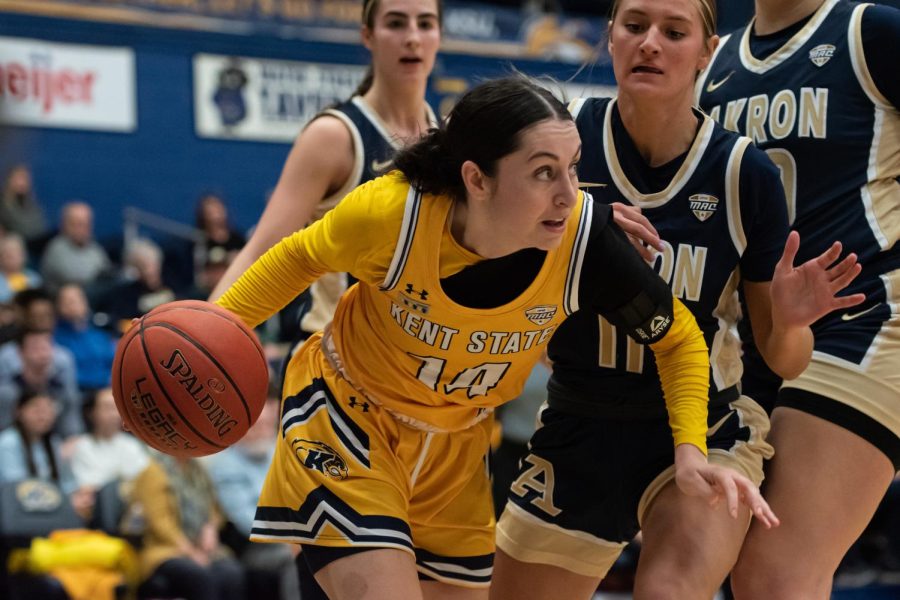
(640, 231)
(802, 295)
(716, 483)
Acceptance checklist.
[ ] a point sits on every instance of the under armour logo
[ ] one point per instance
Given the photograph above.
(364, 406)
(423, 294)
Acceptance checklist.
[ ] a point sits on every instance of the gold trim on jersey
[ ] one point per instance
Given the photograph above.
(575, 106)
(690, 164)
(800, 38)
(884, 174)
(881, 192)
(858, 59)
(575, 551)
(374, 118)
(872, 391)
(891, 282)
(404, 241)
(379, 124)
(331, 201)
(733, 194)
(725, 349)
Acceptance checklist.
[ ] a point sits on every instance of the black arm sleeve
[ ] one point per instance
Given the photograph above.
(617, 283)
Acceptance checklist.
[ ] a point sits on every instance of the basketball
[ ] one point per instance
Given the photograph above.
(189, 378)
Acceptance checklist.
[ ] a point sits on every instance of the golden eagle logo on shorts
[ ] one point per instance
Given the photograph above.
(320, 457)
(703, 205)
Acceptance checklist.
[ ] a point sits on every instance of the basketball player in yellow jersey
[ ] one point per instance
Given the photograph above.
(468, 259)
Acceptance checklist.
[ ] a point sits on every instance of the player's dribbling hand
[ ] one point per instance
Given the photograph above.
(640, 231)
(694, 476)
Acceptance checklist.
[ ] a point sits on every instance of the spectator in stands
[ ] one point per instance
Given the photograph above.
(144, 289)
(106, 453)
(14, 275)
(209, 275)
(74, 256)
(92, 347)
(181, 552)
(218, 234)
(34, 364)
(20, 211)
(30, 449)
(238, 473)
(218, 245)
(35, 310)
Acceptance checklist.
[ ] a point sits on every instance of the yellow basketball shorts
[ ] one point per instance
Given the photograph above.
(348, 474)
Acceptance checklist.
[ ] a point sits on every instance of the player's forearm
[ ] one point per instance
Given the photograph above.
(682, 360)
(271, 282)
(787, 350)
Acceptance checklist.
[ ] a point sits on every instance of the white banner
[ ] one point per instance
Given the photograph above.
(66, 85)
(265, 100)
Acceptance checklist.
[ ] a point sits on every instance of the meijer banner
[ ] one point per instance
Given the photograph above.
(73, 86)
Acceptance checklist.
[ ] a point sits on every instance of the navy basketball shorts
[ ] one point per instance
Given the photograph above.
(588, 481)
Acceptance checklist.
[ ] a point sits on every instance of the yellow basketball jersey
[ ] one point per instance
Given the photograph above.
(448, 364)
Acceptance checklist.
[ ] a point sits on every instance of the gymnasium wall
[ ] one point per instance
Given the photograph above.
(157, 161)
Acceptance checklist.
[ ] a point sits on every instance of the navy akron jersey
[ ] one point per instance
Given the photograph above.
(813, 107)
(718, 218)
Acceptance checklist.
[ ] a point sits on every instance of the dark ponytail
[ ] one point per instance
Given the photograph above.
(484, 126)
(431, 165)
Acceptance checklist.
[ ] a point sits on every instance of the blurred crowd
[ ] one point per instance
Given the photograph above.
(148, 524)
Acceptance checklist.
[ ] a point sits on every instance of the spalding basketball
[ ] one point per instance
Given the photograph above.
(189, 378)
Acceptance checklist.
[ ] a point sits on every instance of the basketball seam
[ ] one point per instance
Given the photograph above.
(234, 323)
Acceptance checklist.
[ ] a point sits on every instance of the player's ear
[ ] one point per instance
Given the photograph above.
(476, 182)
(710, 48)
(365, 34)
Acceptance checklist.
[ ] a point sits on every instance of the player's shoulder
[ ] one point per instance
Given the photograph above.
(755, 163)
(880, 24)
(589, 107)
(382, 199)
(753, 159)
(330, 125)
